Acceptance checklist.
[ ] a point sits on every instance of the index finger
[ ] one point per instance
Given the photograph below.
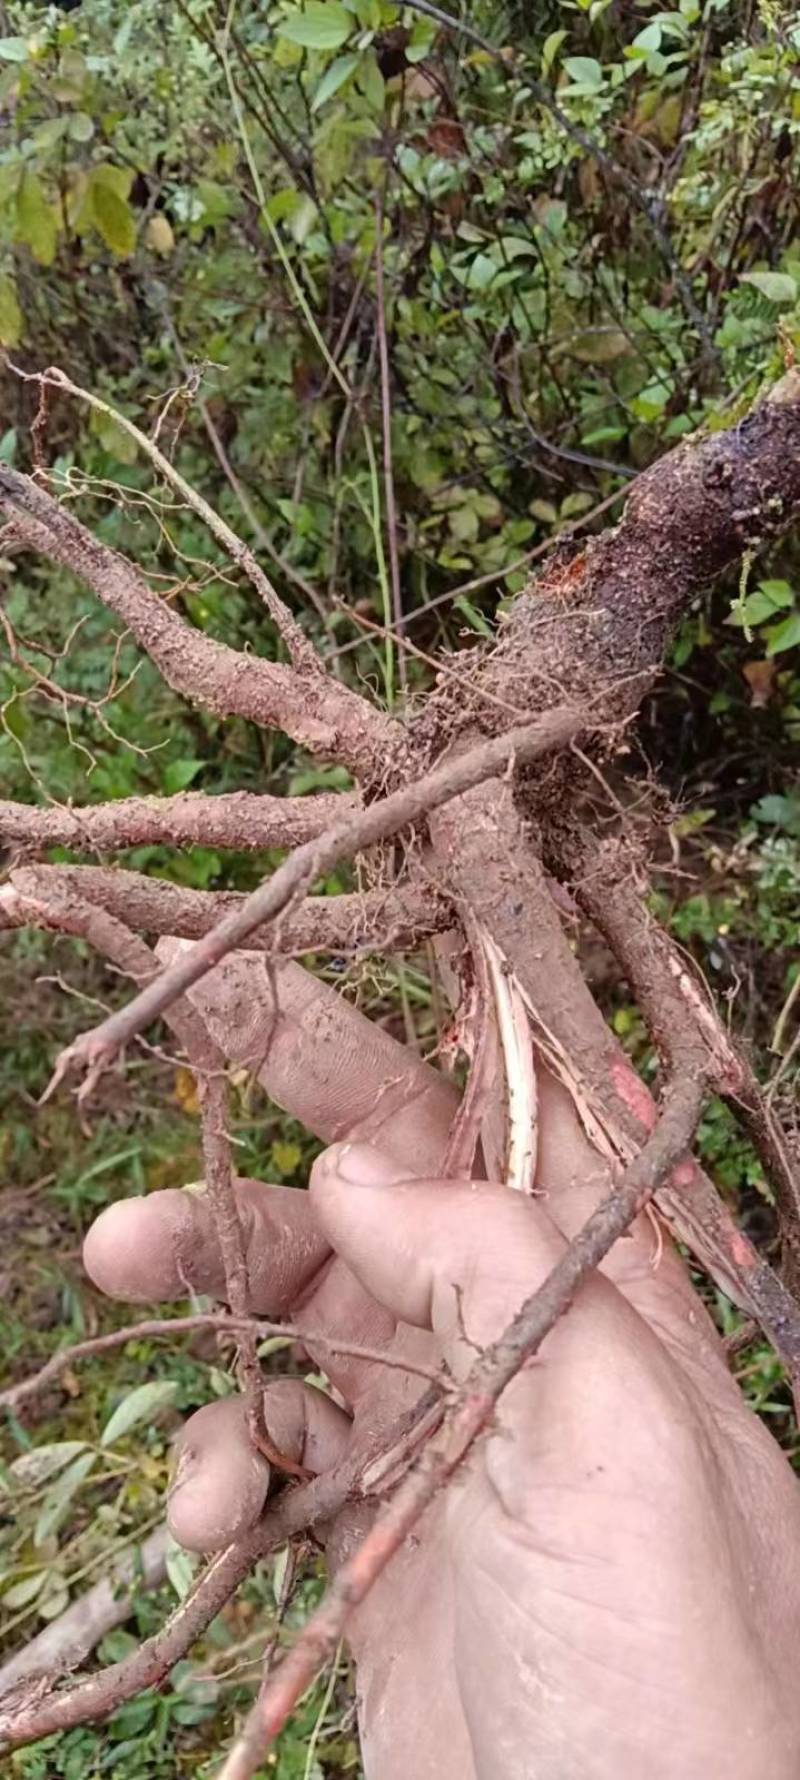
(321, 1059)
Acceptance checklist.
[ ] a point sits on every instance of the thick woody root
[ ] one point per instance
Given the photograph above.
(487, 858)
(244, 820)
(598, 618)
(387, 816)
(397, 918)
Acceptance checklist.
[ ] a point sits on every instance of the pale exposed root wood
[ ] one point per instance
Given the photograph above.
(481, 1043)
(515, 1043)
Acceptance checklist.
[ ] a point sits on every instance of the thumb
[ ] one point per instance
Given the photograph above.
(456, 1257)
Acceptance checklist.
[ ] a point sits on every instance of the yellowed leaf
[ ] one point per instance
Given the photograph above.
(159, 235)
(185, 1091)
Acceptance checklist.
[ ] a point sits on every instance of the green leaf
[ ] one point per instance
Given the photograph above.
(322, 24)
(778, 287)
(11, 320)
(36, 223)
(482, 272)
(47, 136)
(282, 204)
(81, 127)
(13, 49)
(118, 179)
(514, 247)
(783, 636)
(779, 812)
(179, 1568)
(112, 216)
(113, 437)
(217, 202)
(474, 618)
(550, 49)
(34, 1468)
(71, 78)
(117, 1644)
(600, 346)
(778, 591)
(56, 1504)
(765, 600)
(286, 1156)
(303, 219)
(649, 39)
(421, 40)
(584, 72)
(142, 1404)
(180, 773)
(25, 1591)
(334, 78)
(54, 1596)
(372, 83)
(651, 402)
(11, 172)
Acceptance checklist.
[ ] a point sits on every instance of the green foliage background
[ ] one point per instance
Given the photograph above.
(193, 202)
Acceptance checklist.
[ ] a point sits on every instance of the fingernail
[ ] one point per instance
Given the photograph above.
(194, 1186)
(361, 1165)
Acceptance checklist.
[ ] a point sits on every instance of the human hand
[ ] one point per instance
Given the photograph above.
(596, 1593)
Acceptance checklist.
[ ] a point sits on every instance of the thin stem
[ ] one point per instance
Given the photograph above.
(168, 1328)
(386, 422)
(301, 653)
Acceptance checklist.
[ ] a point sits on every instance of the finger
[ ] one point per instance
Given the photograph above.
(220, 1481)
(322, 1060)
(165, 1246)
(471, 1248)
(455, 1247)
